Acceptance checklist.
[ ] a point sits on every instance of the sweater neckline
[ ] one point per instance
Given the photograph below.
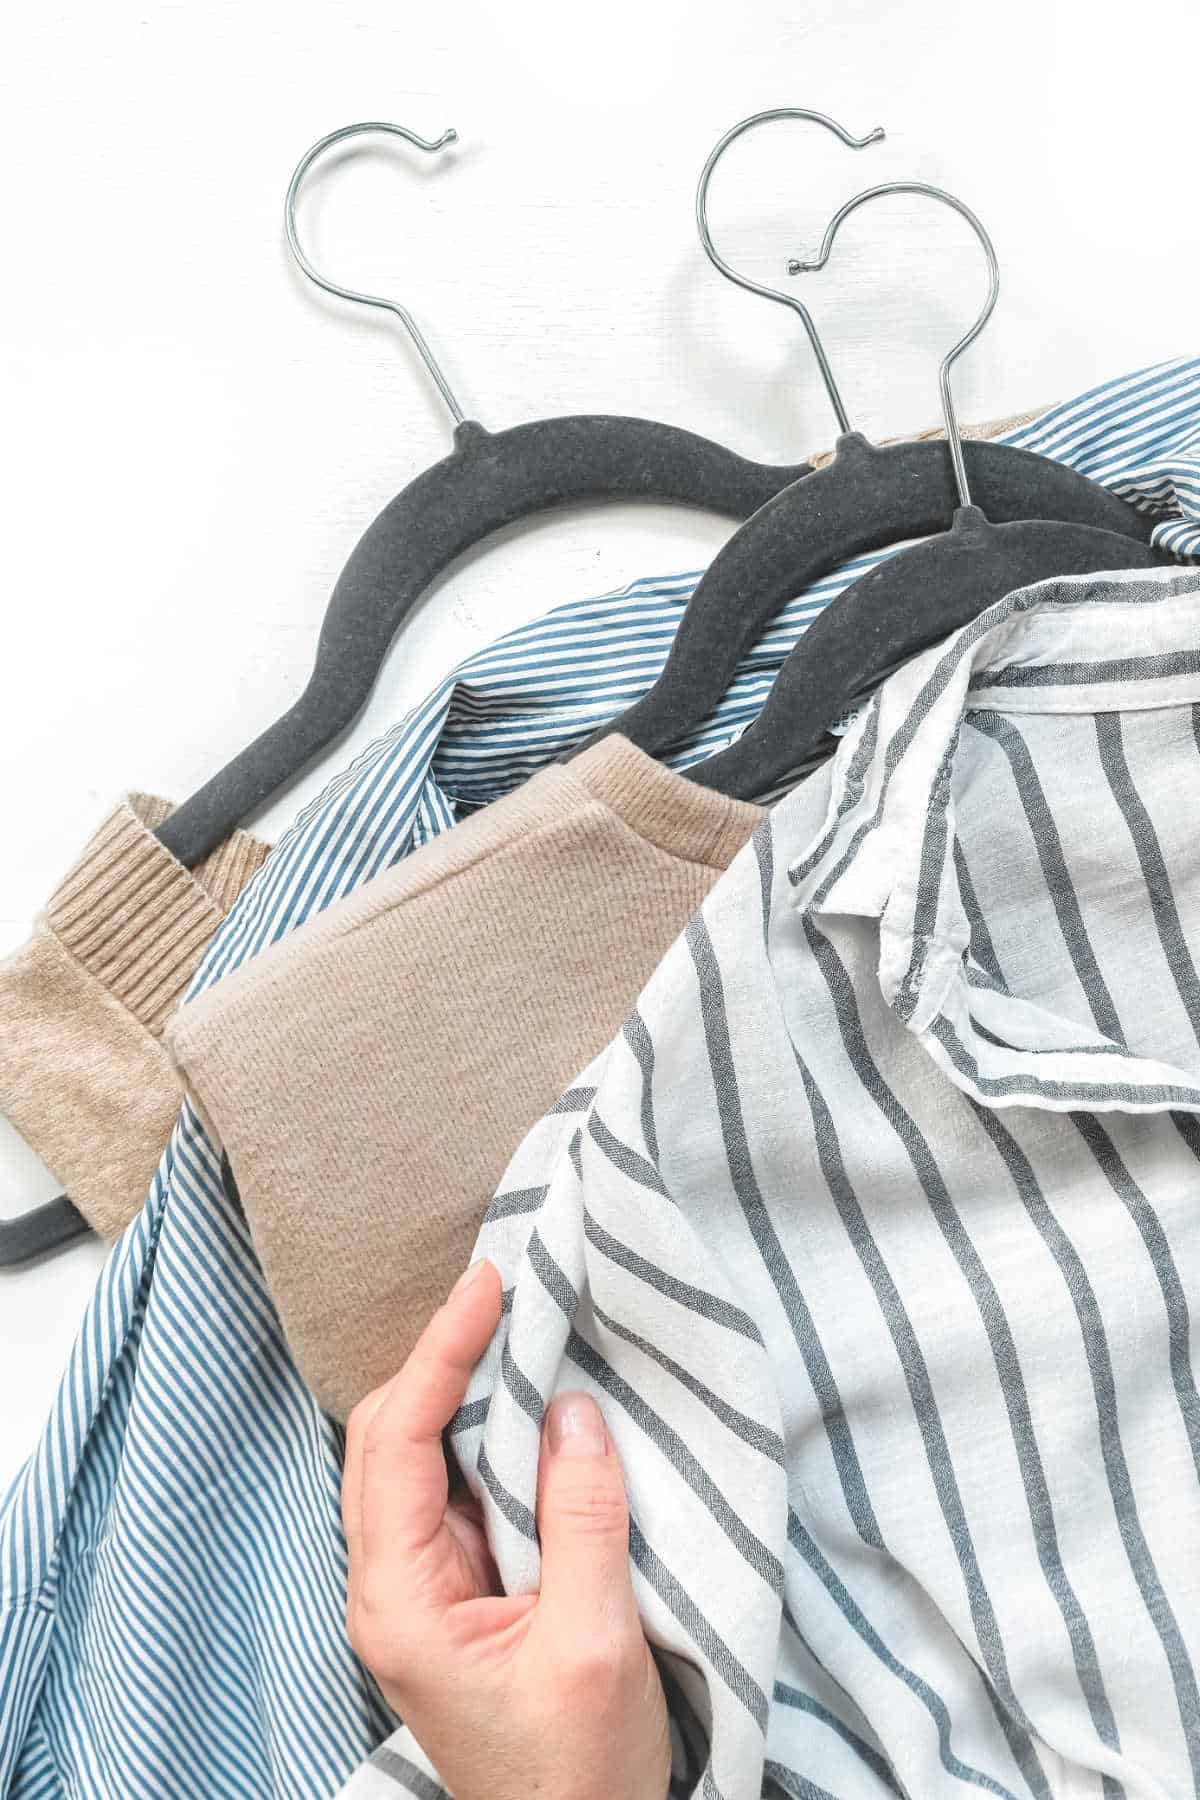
(663, 806)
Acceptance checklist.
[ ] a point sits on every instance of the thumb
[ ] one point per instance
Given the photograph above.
(583, 1519)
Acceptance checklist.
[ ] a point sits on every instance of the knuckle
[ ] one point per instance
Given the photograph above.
(361, 1415)
(372, 1440)
(389, 1425)
(603, 1661)
(374, 1629)
(378, 1440)
(374, 1602)
(591, 1506)
(366, 1640)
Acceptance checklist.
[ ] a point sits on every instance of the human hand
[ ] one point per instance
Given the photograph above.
(554, 1694)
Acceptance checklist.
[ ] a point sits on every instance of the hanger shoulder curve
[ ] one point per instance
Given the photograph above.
(870, 629)
(489, 480)
(867, 498)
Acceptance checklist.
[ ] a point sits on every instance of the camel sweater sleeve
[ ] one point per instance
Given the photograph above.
(370, 1076)
(84, 1075)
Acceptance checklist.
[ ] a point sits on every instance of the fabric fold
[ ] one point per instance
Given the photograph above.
(887, 1311)
(185, 1488)
(84, 1076)
(370, 1077)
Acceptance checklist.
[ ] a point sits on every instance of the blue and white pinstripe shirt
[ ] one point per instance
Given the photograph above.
(171, 1562)
(876, 1235)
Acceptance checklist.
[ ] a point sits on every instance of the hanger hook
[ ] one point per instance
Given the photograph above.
(796, 267)
(757, 287)
(450, 136)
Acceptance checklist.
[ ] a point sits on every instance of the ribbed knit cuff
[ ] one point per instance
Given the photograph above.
(84, 1075)
(135, 919)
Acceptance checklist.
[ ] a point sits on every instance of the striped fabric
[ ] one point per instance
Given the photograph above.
(171, 1560)
(875, 1235)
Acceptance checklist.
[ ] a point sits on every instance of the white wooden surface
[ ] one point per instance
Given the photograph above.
(192, 439)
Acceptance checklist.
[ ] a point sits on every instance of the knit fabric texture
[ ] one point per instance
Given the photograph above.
(370, 1076)
(84, 1075)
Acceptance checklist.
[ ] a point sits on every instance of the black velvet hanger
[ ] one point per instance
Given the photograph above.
(922, 594)
(488, 481)
(867, 498)
(915, 599)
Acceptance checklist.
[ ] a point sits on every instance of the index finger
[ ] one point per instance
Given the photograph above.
(403, 1484)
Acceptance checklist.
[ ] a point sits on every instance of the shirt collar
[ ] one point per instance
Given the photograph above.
(1080, 644)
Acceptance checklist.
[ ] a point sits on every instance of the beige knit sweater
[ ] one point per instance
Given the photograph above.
(371, 1075)
(84, 1076)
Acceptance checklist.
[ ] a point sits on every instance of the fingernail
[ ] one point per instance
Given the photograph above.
(575, 1427)
(469, 1275)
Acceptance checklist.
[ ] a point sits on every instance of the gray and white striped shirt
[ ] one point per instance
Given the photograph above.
(877, 1236)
